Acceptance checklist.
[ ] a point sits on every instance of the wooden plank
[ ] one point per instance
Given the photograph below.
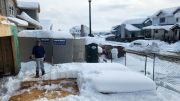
(1, 58)
(27, 84)
(5, 30)
(7, 54)
(14, 55)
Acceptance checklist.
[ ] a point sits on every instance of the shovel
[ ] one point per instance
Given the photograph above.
(42, 61)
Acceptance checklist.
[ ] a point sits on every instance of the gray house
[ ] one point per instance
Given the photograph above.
(24, 14)
(165, 24)
(132, 28)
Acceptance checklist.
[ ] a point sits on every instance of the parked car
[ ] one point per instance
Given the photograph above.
(139, 43)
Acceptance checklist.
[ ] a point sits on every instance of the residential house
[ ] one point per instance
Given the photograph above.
(132, 28)
(46, 24)
(24, 14)
(165, 24)
(80, 31)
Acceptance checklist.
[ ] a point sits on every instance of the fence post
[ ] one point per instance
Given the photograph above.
(125, 58)
(154, 65)
(111, 57)
(145, 64)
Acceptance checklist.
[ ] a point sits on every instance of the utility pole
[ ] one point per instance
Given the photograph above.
(90, 18)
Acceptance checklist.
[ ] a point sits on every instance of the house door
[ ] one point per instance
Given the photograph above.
(6, 55)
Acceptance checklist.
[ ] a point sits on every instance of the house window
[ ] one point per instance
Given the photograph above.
(11, 9)
(156, 31)
(162, 20)
(133, 34)
(166, 31)
(177, 19)
(175, 32)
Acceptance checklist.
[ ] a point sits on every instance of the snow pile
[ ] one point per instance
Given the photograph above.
(28, 18)
(90, 40)
(100, 50)
(123, 81)
(18, 21)
(114, 52)
(176, 47)
(141, 43)
(45, 34)
(46, 24)
(24, 4)
(153, 48)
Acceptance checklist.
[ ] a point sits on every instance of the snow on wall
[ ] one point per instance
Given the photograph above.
(28, 18)
(18, 21)
(45, 34)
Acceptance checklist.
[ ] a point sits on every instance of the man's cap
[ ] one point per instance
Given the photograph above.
(38, 41)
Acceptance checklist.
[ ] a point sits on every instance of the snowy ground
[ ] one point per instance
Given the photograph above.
(135, 63)
(165, 48)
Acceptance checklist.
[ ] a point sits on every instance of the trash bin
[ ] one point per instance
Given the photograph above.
(92, 53)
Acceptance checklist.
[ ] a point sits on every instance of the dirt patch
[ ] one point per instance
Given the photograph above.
(35, 94)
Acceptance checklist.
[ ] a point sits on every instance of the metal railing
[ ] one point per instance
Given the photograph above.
(163, 69)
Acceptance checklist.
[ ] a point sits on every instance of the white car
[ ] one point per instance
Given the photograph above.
(139, 43)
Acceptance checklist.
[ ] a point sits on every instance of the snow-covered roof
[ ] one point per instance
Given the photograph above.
(7, 23)
(45, 34)
(166, 27)
(167, 11)
(177, 15)
(130, 27)
(26, 17)
(28, 5)
(176, 25)
(46, 24)
(18, 21)
(135, 21)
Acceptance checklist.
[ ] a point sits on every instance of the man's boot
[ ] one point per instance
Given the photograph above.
(37, 74)
(43, 72)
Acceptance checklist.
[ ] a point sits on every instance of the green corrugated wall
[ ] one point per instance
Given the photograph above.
(14, 33)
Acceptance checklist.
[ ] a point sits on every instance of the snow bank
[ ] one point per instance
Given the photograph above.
(122, 81)
(100, 50)
(142, 43)
(28, 18)
(114, 52)
(18, 21)
(45, 34)
(153, 48)
(90, 40)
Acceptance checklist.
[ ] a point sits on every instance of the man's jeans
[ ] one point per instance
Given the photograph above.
(39, 64)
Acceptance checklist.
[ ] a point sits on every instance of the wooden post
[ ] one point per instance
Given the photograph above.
(173, 35)
(164, 34)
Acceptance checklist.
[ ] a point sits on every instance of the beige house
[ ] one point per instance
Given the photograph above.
(24, 14)
(166, 24)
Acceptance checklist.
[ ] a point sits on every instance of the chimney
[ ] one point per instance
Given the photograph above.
(82, 30)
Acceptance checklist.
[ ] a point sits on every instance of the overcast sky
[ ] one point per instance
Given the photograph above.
(65, 14)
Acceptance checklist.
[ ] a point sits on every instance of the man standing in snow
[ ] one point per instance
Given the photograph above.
(39, 53)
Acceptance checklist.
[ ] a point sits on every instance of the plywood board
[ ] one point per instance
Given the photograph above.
(7, 54)
(5, 30)
(35, 94)
(1, 59)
